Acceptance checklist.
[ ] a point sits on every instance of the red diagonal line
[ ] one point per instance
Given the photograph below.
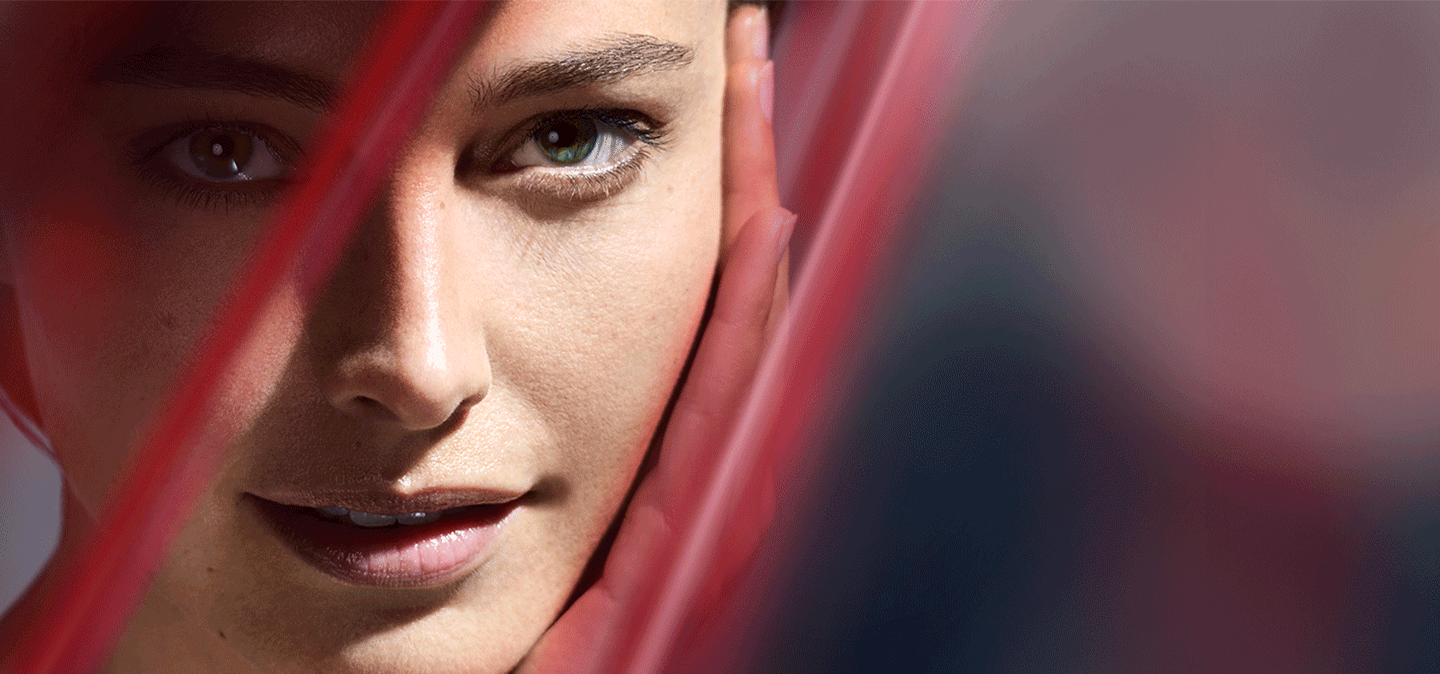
(411, 54)
(860, 219)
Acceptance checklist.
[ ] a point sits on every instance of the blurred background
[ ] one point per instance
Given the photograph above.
(1153, 385)
(1150, 383)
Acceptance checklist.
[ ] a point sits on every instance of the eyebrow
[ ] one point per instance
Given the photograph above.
(183, 65)
(191, 66)
(615, 58)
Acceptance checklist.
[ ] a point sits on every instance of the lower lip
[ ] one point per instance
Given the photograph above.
(422, 555)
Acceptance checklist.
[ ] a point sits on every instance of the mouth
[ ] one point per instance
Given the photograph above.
(382, 541)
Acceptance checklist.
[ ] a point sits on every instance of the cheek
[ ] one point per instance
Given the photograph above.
(108, 320)
(67, 279)
(71, 257)
(608, 330)
(74, 291)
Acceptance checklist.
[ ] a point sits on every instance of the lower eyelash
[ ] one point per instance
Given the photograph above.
(583, 187)
(194, 195)
(202, 198)
(586, 186)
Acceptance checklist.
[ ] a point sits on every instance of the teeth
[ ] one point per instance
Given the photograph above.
(416, 518)
(371, 519)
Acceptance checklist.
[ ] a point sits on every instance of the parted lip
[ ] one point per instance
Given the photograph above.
(392, 503)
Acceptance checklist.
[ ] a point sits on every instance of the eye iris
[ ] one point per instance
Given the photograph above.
(220, 154)
(567, 141)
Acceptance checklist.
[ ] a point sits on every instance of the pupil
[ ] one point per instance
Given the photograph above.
(220, 154)
(567, 141)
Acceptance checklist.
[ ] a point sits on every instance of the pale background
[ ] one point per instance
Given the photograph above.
(29, 511)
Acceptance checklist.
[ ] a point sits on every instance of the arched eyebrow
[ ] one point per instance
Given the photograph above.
(615, 58)
(183, 65)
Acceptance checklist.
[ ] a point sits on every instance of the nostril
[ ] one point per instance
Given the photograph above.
(399, 380)
(469, 401)
(367, 402)
(407, 407)
(370, 408)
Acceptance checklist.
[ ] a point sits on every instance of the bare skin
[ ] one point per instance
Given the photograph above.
(516, 327)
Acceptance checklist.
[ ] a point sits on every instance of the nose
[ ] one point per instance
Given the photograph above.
(398, 339)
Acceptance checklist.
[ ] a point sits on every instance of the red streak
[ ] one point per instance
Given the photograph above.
(864, 203)
(413, 51)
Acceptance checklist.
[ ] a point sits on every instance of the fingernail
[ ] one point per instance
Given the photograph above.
(760, 36)
(766, 87)
(784, 227)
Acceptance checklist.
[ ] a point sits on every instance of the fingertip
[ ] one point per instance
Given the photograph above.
(749, 33)
(760, 35)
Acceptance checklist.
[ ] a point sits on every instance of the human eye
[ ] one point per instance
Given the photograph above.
(207, 164)
(582, 154)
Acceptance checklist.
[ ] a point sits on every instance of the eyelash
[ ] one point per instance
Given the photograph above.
(571, 185)
(568, 185)
(191, 193)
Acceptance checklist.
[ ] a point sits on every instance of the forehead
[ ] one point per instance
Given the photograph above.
(327, 36)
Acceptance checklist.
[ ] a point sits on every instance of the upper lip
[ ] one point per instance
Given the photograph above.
(394, 503)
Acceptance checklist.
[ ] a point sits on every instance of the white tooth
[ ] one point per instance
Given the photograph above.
(414, 518)
(335, 511)
(371, 519)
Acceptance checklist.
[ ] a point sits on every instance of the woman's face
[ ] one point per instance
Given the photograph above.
(495, 348)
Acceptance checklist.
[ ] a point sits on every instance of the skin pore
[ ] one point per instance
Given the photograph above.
(511, 319)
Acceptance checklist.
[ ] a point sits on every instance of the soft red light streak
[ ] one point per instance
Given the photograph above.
(862, 211)
(412, 54)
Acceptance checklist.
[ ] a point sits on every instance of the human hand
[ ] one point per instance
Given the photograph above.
(749, 301)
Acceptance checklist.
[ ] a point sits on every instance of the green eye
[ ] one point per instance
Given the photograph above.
(571, 145)
(567, 141)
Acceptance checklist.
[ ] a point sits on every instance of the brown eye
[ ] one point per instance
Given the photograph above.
(223, 155)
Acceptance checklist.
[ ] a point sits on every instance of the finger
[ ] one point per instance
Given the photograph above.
(780, 299)
(724, 364)
(755, 233)
(744, 533)
(729, 351)
(748, 35)
(749, 160)
(750, 156)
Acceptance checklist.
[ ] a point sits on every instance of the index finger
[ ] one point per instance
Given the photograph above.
(749, 145)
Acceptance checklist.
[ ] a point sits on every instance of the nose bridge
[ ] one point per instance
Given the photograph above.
(421, 312)
(407, 351)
